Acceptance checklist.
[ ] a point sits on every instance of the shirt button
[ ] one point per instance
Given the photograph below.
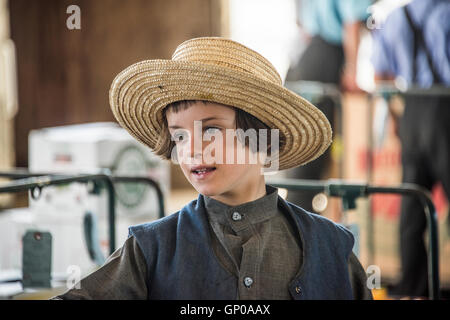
(248, 282)
(236, 216)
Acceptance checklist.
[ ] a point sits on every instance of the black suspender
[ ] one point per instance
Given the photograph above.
(419, 41)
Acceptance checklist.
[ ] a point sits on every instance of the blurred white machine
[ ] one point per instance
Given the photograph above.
(87, 148)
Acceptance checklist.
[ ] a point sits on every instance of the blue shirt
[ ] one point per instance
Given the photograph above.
(393, 43)
(326, 18)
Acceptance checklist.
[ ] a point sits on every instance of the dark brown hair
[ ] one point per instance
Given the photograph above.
(244, 121)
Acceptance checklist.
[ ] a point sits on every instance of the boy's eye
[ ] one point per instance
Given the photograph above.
(179, 136)
(211, 130)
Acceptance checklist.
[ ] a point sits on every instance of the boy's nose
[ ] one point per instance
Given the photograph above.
(195, 146)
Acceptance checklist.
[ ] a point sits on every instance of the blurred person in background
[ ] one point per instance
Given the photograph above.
(413, 44)
(332, 28)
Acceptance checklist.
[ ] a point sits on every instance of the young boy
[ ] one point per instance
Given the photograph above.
(239, 239)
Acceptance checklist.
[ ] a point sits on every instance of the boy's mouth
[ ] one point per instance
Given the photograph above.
(202, 171)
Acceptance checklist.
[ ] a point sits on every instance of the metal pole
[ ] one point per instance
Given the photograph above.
(154, 184)
(370, 155)
(23, 173)
(38, 182)
(433, 247)
(106, 177)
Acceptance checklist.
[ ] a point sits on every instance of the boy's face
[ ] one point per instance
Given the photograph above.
(211, 157)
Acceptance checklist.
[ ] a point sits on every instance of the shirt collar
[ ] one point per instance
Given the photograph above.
(255, 211)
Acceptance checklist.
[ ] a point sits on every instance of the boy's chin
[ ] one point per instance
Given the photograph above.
(207, 190)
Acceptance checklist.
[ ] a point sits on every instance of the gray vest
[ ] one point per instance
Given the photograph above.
(182, 264)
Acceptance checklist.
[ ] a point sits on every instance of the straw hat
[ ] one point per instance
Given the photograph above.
(222, 71)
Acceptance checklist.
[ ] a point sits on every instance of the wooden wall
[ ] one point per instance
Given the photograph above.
(64, 75)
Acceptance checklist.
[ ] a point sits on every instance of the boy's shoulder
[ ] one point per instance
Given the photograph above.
(313, 221)
(163, 224)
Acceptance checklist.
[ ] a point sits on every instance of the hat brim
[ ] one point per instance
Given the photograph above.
(139, 94)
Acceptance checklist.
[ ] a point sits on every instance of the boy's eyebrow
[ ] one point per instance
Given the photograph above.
(203, 120)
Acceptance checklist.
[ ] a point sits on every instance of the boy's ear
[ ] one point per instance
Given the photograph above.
(267, 161)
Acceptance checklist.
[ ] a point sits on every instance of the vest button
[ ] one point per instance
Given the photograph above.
(236, 216)
(248, 282)
(298, 290)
